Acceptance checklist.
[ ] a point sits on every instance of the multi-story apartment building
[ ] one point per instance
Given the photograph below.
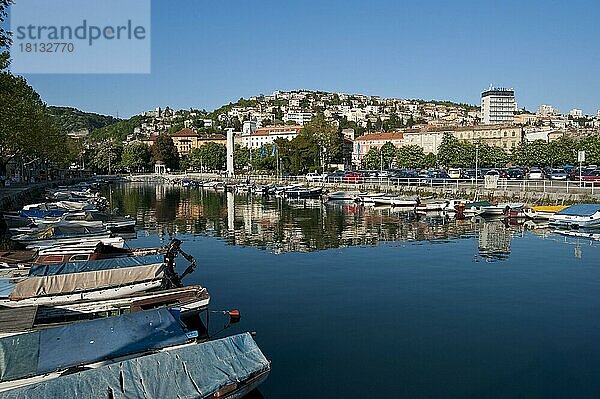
(497, 106)
(298, 116)
(267, 135)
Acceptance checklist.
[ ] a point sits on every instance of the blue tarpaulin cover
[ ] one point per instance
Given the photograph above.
(42, 213)
(195, 371)
(580, 210)
(57, 348)
(95, 265)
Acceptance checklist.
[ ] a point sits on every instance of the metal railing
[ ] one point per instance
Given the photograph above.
(542, 185)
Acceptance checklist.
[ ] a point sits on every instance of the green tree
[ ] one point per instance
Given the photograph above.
(5, 36)
(372, 160)
(211, 156)
(325, 136)
(107, 156)
(164, 150)
(563, 151)
(430, 160)
(533, 153)
(136, 157)
(388, 152)
(410, 156)
(453, 152)
(591, 146)
(27, 130)
(241, 157)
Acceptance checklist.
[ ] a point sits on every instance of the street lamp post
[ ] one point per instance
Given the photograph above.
(476, 164)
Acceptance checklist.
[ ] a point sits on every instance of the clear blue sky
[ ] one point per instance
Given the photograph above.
(207, 53)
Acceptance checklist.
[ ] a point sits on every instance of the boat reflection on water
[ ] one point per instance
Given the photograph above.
(301, 225)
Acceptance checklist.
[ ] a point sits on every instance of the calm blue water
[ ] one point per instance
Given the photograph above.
(353, 303)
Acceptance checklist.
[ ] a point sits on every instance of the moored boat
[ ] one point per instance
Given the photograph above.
(404, 201)
(343, 196)
(543, 212)
(171, 367)
(577, 216)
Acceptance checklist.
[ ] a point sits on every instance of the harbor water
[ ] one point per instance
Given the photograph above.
(355, 302)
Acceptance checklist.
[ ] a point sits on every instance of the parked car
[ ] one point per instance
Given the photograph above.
(592, 178)
(316, 176)
(435, 176)
(557, 174)
(535, 174)
(515, 173)
(353, 177)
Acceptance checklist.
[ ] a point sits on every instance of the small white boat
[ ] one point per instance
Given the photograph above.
(577, 216)
(543, 212)
(404, 201)
(432, 205)
(51, 246)
(497, 210)
(369, 197)
(385, 199)
(343, 196)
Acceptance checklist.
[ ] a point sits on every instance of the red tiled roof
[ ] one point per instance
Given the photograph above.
(185, 133)
(381, 136)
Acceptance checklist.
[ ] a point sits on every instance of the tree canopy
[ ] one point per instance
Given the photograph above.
(164, 150)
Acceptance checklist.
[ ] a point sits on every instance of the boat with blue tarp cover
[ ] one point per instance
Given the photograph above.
(577, 216)
(228, 368)
(29, 357)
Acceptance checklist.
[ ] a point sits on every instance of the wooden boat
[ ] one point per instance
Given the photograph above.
(160, 366)
(188, 300)
(543, 212)
(577, 216)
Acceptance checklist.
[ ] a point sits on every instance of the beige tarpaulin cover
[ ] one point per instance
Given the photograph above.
(80, 282)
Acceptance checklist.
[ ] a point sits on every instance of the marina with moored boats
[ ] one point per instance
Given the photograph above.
(66, 271)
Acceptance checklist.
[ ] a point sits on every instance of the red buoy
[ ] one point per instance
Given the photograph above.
(234, 315)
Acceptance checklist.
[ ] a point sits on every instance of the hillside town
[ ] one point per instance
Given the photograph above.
(367, 122)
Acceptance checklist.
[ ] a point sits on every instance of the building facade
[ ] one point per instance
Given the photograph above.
(186, 140)
(364, 143)
(268, 134)
(497, 106)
